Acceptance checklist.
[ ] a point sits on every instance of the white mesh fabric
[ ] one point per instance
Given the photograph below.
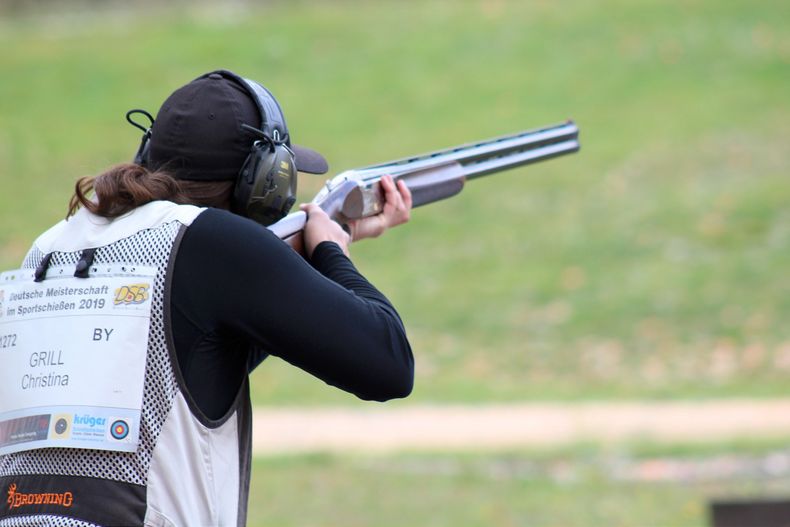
(40, 520)
(149, 247)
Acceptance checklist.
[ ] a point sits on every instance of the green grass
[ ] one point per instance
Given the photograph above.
(634, 486)
(651, 264)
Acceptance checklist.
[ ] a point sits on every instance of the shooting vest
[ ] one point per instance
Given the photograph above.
(187, 470)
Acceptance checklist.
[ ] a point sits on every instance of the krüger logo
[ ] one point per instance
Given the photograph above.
(131, 294)
(18, 499)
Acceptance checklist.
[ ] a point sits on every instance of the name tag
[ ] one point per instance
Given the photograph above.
(72, 358)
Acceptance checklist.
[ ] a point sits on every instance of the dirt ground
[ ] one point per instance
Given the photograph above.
(493, 427)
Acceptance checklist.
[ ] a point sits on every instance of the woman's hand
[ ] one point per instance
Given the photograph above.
(321, 228)
(397, 209)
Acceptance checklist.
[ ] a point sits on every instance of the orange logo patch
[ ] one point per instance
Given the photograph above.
(18, 499)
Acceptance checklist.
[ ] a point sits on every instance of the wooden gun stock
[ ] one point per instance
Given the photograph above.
(431, 177)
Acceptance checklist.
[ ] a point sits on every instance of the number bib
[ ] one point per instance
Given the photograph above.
(72, 358)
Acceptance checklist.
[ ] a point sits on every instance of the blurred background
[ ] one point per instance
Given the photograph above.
(651, 266)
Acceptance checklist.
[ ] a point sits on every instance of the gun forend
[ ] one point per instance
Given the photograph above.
(426, 185)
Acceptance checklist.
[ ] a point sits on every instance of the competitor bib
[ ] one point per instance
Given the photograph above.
(72, 357)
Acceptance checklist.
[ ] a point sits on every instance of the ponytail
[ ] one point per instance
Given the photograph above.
(122, 189)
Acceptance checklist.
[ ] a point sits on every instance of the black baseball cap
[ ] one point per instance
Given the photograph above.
(198, 134)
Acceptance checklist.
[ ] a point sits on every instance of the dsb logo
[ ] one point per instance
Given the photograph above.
(131, 294)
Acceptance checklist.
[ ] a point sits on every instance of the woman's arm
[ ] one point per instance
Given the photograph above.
(233, 277)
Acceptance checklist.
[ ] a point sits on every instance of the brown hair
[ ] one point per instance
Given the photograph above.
(125, 187)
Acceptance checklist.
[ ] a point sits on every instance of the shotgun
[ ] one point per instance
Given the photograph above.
(430, 177)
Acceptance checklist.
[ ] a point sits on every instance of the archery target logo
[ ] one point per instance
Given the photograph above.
(119, 429)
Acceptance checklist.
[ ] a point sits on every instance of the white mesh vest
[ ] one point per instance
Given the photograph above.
(187, 470)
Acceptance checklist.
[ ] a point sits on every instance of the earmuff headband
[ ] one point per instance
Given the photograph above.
(272, 118)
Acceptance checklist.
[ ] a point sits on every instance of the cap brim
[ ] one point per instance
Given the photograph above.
(309, 161)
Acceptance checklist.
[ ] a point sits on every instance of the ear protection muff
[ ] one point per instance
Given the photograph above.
(266, 186)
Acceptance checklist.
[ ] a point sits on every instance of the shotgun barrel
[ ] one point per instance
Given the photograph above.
(486, 157)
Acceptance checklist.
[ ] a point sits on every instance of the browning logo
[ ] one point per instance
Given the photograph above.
(131, 294)
(18, 499)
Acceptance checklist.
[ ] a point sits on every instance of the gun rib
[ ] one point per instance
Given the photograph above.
(545, 142)
(517, 159)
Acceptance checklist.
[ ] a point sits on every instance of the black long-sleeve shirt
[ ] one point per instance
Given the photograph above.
(238, 293)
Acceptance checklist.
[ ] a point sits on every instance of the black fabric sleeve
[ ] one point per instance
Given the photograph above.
(236, 288)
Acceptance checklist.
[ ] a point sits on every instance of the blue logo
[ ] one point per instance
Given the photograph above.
(89, 420)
